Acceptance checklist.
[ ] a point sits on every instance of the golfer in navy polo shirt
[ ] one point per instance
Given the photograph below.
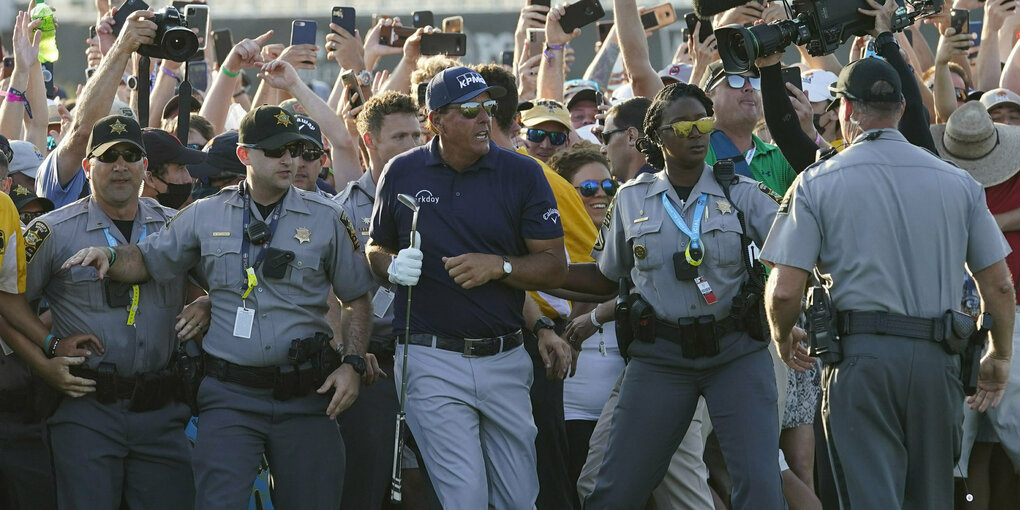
(488, 229)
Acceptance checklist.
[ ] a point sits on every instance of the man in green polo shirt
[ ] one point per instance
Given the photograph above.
(737, 102)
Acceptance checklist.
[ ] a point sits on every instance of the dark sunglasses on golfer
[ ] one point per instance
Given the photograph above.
(537, 135)
(683, 128)
(472, 109)
(130, 155)
(591, 187)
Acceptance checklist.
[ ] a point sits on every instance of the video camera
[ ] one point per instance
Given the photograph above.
(820, 25)
(174, 40)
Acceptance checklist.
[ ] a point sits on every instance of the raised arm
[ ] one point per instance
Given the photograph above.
(97, 96)
(282, 75)
(644, 79)
(550, 69)
(245, 54)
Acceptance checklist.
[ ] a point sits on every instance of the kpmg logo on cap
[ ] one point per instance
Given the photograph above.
(425, 197)
(467, 79)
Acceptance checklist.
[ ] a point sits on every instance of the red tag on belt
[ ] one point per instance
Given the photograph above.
(706, 290)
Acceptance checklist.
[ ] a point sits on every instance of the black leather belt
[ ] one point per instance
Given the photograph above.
(253, 377)
(689, 327)
(883, 323)
(123, 387)
(470, 347)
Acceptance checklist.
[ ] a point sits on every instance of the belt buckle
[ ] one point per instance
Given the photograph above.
(469, 347)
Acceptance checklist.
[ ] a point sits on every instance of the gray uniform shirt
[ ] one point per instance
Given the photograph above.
(207, 236)
(78, 298)
(639, 238)
(357, 200)
(891, 223)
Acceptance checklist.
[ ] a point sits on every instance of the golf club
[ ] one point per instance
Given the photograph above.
(396, 482)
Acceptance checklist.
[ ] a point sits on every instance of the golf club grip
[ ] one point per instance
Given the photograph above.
(396, 482)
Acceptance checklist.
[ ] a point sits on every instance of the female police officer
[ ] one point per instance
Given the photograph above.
(677, 235)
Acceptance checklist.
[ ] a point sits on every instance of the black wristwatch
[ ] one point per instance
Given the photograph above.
(543, 323)
(356, 362)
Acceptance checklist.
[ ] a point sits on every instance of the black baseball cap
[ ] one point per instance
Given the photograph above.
(163, 147)
(220, 158)
(114, 129)
(172, 106)
(5, 149)
(309, 129)
(268, 127)
(456, 85)
(856, 80)
(22, 196)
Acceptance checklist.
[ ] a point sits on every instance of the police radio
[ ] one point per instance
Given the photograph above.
(821, 323)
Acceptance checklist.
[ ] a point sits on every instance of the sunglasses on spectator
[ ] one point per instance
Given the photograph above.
(591, 187)
(537, 135)
(683, 128)
(604, 136)
(472, 109)
(736, 81)
(129, 155)
(27, 217)
(295, 150)
(312, 154)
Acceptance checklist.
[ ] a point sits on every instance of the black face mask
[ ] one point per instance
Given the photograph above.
(175, 194)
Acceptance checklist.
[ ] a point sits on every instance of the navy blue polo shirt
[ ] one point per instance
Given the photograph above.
(490, 207)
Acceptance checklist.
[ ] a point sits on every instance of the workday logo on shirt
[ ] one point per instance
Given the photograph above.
(426, 197)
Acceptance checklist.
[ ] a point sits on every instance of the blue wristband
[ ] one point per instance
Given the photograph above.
(46, 343)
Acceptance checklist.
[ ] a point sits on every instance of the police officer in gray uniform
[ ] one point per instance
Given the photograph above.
(126, 439)
(892, 226)
(676, 233)
(269, 253)
(390, 126)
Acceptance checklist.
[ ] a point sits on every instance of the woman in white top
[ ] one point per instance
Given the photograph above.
(599, 361)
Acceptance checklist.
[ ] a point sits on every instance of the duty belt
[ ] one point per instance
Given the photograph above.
(252, 377)
(691, 327)
(470, 347)
(147, 392)
(883, 323)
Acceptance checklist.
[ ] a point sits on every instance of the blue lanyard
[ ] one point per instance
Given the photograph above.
(694, 253)
(112, 241)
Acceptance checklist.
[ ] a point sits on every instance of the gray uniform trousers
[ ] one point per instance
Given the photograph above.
(26, 471)
(237, 424)
(654, 411)
(685, 485)
(367, 430)
(892, 418)
(105, 453)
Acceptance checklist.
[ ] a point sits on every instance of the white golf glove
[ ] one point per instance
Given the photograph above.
(405, 268)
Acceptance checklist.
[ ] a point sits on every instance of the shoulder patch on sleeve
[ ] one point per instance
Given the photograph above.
(34, 237)
(350, 229)
(768, 191)
(784, 206)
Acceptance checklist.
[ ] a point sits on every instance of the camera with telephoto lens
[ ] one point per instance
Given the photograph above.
(173, 40)
(819, 25)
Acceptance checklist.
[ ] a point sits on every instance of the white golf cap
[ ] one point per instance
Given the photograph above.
(816, 84)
